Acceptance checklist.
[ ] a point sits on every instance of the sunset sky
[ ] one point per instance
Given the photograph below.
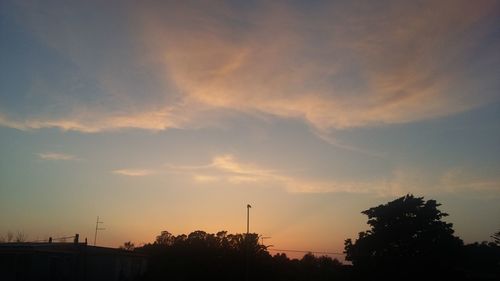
(174, 115)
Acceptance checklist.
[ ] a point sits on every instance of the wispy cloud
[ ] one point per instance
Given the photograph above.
(56, 156)
(328, 138)
(336, 65)
(378, 67)
(156, 121)
(458, 180)
(133, 172)
(205, 178)
(227, 169)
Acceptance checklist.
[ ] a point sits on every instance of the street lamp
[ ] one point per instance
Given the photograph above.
(248, 218)
(247, 241)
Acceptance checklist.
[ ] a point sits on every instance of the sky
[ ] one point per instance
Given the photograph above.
(174, 115)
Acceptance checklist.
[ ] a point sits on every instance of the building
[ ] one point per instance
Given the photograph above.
(68, 261)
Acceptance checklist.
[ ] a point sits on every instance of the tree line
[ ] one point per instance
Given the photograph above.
(223, 256)
(407, 240)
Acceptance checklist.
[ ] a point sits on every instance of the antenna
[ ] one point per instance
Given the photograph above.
(97, 229)
(262, 239)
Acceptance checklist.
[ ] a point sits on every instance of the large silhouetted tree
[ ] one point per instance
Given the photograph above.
(407, 240)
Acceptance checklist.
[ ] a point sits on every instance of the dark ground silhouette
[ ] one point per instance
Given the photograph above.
(407, 240)
(223, 256)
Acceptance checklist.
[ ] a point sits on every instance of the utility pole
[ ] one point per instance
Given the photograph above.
(97, 229)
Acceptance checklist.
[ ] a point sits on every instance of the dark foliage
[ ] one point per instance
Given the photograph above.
(481, 261)
(496, 238)
(223, 256)
(407, 241)
(127, 246)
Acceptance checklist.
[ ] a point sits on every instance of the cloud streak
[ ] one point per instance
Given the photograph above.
(133, 172)
(56, 156)
(458, 180)
(228, 170)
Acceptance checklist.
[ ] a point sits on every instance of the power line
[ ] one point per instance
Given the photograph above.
(50, 239)
(54, 238)
(302, 251)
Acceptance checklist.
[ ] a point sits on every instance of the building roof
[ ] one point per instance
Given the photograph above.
(68, 248)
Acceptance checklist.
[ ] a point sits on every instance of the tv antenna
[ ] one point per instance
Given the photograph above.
(262, 239)
(97, 228)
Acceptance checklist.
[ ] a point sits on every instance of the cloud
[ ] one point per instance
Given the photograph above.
(56, 156)
(155, 121)
(205, 178)
(458, 180)
(227, 169)
(183, 64)
(324, 136)
(340, 70)
(133, 172)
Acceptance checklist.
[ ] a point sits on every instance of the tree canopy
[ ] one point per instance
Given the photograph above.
(407, 239)
(223, 256)
(127, 246)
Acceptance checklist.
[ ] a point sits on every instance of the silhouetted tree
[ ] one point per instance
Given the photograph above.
(223, 256)
(496, 238)
(20, 237)
(320, 268)
(127, 246)
(9, 236)
(165, 238)
(407, 241)
(481, 261)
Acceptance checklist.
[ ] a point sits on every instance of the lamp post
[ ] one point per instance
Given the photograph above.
(247, 242)
(248, 218)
